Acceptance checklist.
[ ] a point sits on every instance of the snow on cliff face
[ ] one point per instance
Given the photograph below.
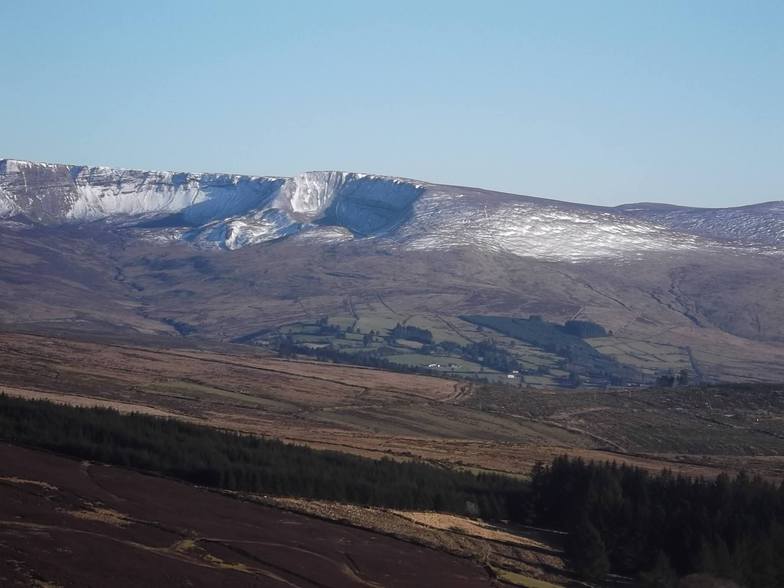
(308, 195)
(55, 193)
(233, 211)
(359, 204)
(364, 204)
(198, 198)
(233, 233)
(7, 205)
(229, 210)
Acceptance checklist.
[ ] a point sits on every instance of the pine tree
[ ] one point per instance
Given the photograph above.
(661, 575)
(587, 553)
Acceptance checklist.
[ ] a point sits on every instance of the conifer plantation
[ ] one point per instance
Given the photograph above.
(618, 518)
(663, 524)
(235, 461)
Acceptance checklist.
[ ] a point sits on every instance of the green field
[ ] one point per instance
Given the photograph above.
(650, 358)
(544, 354)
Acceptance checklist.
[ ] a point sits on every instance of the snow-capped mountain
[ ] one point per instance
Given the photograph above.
(52, 193)
(447, 217)
(234, 211)
(123, 251)
(761, 224)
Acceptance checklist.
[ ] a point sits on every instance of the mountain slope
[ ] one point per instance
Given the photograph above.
(756, 224)
(221, 257)
(233, 211)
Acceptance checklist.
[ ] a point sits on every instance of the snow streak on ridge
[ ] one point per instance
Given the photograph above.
(232, 211)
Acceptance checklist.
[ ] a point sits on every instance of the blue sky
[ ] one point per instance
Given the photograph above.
(600, 102)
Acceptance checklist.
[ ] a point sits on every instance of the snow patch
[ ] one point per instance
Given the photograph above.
(533, 229)
(232, 211)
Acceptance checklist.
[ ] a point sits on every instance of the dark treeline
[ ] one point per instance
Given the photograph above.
(619, 518)
(222, 459)
(490, 355)
(584, 329)
(485, 353)
(286, 347)
(578, 356)
(664, 524)
(412, 333)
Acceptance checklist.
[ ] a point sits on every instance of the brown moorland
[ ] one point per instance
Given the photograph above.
(70, 523)
(382, 414)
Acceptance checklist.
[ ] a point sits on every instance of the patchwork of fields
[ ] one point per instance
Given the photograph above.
(518, 352)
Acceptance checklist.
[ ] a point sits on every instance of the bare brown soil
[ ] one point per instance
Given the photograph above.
(66, 523)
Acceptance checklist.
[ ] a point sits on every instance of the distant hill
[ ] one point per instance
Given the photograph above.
(222, 256)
